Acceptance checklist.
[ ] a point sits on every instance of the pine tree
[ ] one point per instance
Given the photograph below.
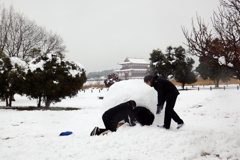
(183, 72)
(11, 78)
(51, 79)
(210, 68)
(173, 64)
(160, 64)
(183, 67)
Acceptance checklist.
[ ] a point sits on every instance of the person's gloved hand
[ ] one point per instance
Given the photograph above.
(159, 109)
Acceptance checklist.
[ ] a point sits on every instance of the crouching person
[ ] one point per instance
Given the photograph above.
(113, 116)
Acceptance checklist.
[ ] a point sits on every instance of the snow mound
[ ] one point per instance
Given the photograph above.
(135, 90)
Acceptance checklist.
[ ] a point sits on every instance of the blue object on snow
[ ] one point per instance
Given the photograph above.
(65, 133)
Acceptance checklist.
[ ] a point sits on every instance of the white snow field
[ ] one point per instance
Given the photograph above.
(211, 131)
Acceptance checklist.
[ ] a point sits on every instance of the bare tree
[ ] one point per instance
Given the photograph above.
(52, 43)
(223, 41)
(5, 24)
(227, 28)
(19, 36)
(24, 35)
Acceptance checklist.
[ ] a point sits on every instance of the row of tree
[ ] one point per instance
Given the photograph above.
(172, 64)
(48, 79)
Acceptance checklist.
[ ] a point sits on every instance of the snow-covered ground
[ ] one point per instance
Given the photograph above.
(212, 129)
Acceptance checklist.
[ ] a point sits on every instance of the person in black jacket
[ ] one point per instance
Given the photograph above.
(167, 92)
(111, 117)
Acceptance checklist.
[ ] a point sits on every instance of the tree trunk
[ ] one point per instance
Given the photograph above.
(183, 84)
(39, 101)
(10, 101)
(6, 99)
(47, 103)
(217, 82)
(13, 99)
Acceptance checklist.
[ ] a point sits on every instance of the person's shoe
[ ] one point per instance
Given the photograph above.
(180, 125)
(94, 131)
(162, 127)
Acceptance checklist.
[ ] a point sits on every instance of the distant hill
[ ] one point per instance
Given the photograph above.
(104, 73)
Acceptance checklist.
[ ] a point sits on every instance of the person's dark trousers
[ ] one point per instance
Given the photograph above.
(170, 113)
(109, 123)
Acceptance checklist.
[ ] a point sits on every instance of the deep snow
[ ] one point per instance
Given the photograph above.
(212, 129)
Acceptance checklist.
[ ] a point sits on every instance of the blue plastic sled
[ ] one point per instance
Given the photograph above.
(66, 133)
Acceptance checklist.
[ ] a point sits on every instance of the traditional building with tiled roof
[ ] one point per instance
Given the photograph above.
(132, 68)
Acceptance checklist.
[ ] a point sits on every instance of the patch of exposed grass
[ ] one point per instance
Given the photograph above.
(207, 82)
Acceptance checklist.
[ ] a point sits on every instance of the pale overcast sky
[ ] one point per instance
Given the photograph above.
(99, 34)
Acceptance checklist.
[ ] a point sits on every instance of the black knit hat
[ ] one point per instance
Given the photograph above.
(148, 78)
(133, 103)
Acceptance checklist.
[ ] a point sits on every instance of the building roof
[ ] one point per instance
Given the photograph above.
(134, 60)
(130, 69)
